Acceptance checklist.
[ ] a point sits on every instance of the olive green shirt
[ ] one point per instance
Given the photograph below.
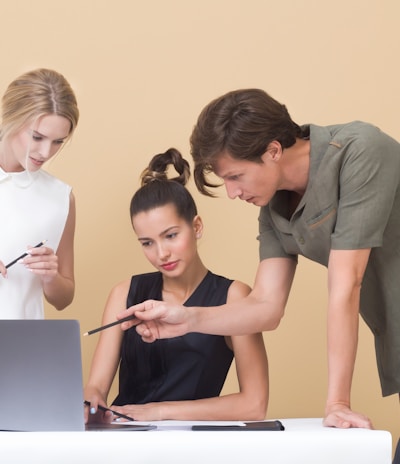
(352, 201)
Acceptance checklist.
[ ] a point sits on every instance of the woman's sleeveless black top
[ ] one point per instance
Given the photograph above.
(190, 367)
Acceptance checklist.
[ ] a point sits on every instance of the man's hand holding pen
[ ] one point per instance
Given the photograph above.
(159, 320)
(153, 320)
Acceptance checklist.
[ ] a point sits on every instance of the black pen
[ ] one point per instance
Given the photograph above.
(24, 254)
(102, 408)
(128, 318)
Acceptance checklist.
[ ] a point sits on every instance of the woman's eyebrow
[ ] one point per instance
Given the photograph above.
(163, 232)
(36, 132)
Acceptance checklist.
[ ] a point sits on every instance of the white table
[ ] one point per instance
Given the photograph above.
(303, 441)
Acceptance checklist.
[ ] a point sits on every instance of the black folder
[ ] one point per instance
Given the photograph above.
(273, 425)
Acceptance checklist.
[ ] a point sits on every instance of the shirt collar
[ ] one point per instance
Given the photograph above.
(21, 179)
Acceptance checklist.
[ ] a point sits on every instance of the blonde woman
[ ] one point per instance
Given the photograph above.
(38, 116)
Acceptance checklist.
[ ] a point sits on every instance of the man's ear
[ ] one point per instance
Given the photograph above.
(273, 151)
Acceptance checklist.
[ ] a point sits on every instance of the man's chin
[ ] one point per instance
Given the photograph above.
(255, 202)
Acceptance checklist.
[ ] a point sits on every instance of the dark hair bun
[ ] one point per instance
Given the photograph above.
(159, 166)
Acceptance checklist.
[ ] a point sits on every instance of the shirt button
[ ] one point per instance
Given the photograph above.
(301, 241)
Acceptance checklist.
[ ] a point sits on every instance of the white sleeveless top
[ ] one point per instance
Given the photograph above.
(33, 207)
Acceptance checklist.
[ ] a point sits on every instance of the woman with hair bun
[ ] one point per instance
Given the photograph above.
(180, 378)
(38, 116)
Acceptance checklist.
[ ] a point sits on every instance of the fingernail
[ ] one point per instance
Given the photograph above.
(92, 410)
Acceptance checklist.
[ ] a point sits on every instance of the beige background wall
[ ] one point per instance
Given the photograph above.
(142, 71)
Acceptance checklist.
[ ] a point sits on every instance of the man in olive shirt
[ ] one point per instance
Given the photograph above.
(351, 202)
(328, 193)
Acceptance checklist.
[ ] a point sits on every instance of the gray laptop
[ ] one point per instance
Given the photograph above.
(41, 385)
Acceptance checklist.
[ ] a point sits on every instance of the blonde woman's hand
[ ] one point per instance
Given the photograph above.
(41, 261)
(3, 270)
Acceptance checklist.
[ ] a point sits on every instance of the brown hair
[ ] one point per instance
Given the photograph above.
(241, 123)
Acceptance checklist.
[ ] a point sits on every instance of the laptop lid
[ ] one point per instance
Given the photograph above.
(41, 386)
(41, 375)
